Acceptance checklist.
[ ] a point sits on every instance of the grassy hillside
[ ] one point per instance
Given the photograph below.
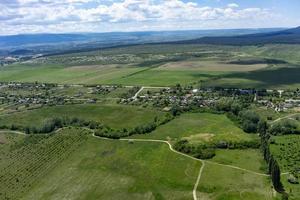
(32, 157)
(229, 184)
(290, 36)
(199, 128)
(119, 170)
(116, 116)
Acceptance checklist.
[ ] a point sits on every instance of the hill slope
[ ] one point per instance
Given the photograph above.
(289, 36)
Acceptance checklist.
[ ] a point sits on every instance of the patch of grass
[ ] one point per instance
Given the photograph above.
(8, 141)
(250, 159)
(115, 116)
(100, 74)
(292, 189)
(222, 183)
(195, 125)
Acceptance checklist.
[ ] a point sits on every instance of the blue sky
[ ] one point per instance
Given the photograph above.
(59, 16)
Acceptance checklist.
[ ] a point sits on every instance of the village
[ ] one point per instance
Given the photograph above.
(184, 97)
(18, 96)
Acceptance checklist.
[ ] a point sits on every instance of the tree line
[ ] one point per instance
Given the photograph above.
(52, 124)
(273, 166)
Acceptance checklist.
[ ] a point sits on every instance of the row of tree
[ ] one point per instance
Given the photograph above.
(273, 166)
(53, 124)
(50, 125)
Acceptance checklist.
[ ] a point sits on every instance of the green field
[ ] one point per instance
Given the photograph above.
(28, 159)
(73, 164)
(101, 169)
(285, 148)
(250, 159)
(221, 183)
(167, 65)
(200, 127)
(115, 116)
(286, 151)
(119, 170)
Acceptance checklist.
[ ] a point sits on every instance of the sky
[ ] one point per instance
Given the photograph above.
(65, 16)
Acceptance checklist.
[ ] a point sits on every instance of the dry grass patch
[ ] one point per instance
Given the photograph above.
(203, 137)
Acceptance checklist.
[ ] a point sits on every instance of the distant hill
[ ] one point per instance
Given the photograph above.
(289, 36)
(40, 43)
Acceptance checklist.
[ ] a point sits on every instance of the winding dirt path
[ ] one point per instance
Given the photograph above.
(200, 160)
(10, 131)
(198, 181)
(285, 117)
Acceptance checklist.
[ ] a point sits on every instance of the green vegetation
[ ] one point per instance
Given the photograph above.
(103, 169)
(200, 127)
(225, 127)
(285, 127)
(30, 159)
(115, 116)
(286, 150)
(166, 65)
(199, 134)
(250, 159)
(223, 183)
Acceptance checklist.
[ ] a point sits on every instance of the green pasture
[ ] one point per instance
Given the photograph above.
(223, 183)
(250, 159)
(115, 116)
(200, 127)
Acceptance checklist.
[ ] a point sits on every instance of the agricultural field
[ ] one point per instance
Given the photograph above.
(285, 148)
(125, 145)
(102, 169)
(167, 65)
(116, 116)
(286, 151)
(28, 159)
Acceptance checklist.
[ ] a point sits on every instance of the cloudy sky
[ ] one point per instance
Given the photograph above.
(57, 16)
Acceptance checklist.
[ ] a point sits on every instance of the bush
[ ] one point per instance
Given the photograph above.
(284, 127)
(249, 120)
(204, 153)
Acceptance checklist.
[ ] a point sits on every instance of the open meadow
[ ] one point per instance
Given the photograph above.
(200, 128)
(116, 116)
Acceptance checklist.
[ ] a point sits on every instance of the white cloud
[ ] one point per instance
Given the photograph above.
(233, 5)
(20, 16)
